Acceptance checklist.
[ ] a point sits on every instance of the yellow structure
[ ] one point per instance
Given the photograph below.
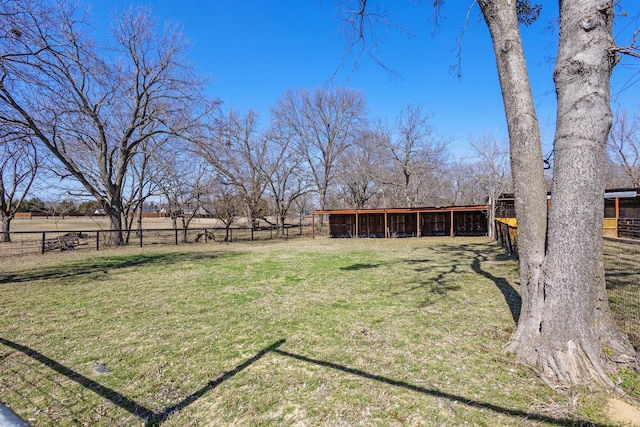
(609, 229)
(621, 212)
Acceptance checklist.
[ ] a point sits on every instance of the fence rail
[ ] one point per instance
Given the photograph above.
(41, 242)
(629, 228)
(507, 237)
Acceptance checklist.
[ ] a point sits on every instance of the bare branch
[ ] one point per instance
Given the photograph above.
(364, 25)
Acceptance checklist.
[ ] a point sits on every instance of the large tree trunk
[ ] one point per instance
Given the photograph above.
(114, 211)
(5, 236)
(565, 327)
(578, 337)
(526, 161)
(282, 229)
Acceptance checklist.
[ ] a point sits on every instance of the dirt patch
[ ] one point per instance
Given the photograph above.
(623, 414)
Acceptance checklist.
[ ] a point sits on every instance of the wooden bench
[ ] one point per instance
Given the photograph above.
(62, 243)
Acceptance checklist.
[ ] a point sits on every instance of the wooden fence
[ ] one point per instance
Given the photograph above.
(507, 235)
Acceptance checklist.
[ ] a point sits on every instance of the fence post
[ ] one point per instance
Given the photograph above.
(176, 237)
(43, 239)
(98, 240)
(252, 233)
(508, 233)
(140, 233)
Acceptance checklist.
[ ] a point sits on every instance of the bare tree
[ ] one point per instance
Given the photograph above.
(323, 124)
(565, 326)
(92, 108)
(492, 172)
(141, 183)
(418, 158)
(237, 151)
(183, 180)
(358, 168)
(286, 176)
(226, 206)
(463, 188)
(624, 145)
(19, 164)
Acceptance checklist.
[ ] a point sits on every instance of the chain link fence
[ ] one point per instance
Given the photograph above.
(622, 273)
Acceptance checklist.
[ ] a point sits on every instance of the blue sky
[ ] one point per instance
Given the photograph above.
(254, 50)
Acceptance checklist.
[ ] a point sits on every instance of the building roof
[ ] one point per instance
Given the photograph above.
(401, 210)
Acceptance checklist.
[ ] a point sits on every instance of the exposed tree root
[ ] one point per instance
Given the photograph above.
(572, 364)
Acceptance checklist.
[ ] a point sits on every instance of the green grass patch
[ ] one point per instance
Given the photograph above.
(297, 332)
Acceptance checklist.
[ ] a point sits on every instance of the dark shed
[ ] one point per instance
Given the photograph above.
(408, 222)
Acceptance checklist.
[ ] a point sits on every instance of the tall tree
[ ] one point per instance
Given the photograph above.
(92, 108)
(19, 164)
(358, 168)
(323, 123)
(565, 326)
(491, 174)
(226, 205)
(418, 158)
(286, 176)
(182, 180)
(237, 150)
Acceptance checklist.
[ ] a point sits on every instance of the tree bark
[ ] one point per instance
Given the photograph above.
(584, 347)
(114, 211)
(565, 327)
(6, 227)
(527, 166)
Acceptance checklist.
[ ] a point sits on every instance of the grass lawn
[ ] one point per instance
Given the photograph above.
(296, 332)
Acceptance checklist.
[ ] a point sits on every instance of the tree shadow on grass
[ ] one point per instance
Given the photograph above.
(525, 416)
(152, 418)
(617, 277)
(511, 296)
(459, 256)
(442, 283)
(359, 266)
(97, 268)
